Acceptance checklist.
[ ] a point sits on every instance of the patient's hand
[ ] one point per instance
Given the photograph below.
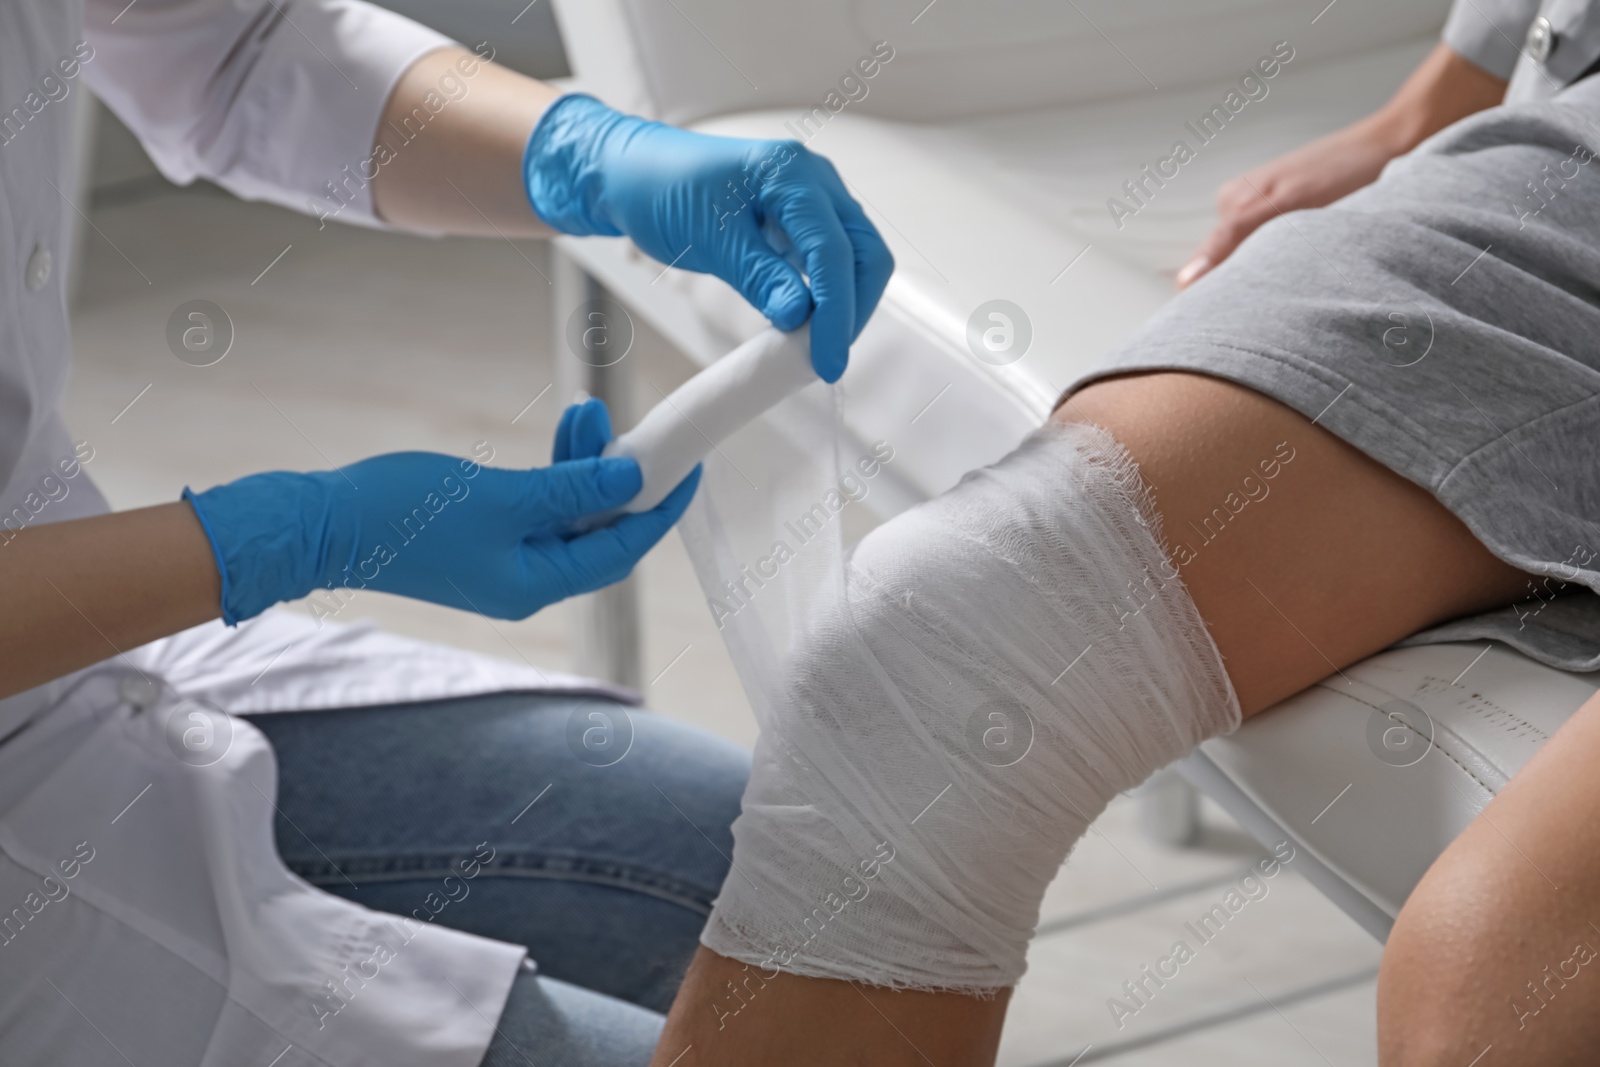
(1443, 89)
(1313, 175)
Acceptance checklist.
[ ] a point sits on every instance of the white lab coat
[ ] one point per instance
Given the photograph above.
(144, 914)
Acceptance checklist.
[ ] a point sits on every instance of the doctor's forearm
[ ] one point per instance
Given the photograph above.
(450, 145)
(82, 591)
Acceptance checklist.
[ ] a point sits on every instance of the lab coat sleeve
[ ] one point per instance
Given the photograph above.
(274, 100)
(1490, 32)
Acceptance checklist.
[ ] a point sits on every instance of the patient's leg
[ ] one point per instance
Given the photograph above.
(1339, 559)
(1321, 558)
(1499, 945)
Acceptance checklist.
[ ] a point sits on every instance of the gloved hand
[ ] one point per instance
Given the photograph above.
(716, 204)
(436, 527)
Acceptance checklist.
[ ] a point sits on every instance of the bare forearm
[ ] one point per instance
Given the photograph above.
(728, 1014)
(81, 591)
(1444, 89)
(449, 148)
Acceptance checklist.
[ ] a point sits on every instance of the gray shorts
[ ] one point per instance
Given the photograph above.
(1446, 321)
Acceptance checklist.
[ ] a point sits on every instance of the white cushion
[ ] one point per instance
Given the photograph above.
(1373, 773)
(685, 60)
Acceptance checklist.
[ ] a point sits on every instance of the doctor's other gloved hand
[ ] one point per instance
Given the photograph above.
(755, 213)
(437, 528)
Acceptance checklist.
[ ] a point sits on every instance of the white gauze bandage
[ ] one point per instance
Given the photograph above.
(705, 410)
(944, 710)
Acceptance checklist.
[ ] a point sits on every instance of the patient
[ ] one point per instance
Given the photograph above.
(1365, 352)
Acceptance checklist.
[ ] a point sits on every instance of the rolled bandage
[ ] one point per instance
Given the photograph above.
(994, 667)
(705, 410)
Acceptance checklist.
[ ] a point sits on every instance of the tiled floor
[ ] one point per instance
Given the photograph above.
(350, 342)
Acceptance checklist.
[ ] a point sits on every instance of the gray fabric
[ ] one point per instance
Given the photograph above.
(1447, 323)
(1490, 32)
(1575, 25)
(1493, 34)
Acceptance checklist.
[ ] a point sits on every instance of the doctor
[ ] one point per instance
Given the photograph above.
(471, 807)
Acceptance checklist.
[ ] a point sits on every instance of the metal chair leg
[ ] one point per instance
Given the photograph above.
(592, 338)
(1169, 810)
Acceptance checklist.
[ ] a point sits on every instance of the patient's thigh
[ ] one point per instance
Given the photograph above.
(1302, 554)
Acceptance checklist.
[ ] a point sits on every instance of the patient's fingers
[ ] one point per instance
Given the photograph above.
(1244, 208)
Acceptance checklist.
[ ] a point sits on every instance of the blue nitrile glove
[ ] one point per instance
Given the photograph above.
(436, 528)
(711, 204)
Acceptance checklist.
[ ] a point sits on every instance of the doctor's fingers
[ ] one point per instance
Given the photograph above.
(583, 432)
(770, 283)
(808, 216)
(601, 557)
(874, 262)
(562, 492)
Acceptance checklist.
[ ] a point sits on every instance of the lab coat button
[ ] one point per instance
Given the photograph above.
(1541, 40)
(39, 265)
(140, 692)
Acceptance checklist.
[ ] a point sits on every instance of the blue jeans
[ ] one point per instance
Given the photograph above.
(604, 870)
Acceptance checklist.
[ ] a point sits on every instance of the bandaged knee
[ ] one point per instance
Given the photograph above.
(945, 709)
